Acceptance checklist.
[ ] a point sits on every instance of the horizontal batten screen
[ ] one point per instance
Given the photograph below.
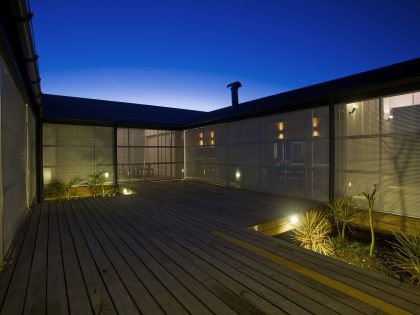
(13, 155)
(285, 154)
(145, 154)
(378, 144)
(31, 158)
(76, 151)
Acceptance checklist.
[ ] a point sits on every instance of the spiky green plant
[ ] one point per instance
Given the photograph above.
(56, 188)
(342, 213)
(371, 205)
(312, 231)
(96, 181)
(407, 254)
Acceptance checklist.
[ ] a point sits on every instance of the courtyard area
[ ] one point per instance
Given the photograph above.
(182, 247)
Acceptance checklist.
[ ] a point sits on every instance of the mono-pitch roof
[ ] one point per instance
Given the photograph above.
(66, 109)
(397, 78)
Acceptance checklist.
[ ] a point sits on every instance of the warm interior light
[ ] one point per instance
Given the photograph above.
(281, 136)
(281, 126)
(315, 122)
(237, 175)
(294, 219)
(353, 107)
(106, 174)
(212, 134)
(201, 142)
(212, 142)
(315, 133)
(201, 135)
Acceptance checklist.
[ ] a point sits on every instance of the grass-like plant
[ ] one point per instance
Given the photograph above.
(371, 204)
(62, 190)
(312, 231)
(407, 255)
(342, 213)
(96, 181)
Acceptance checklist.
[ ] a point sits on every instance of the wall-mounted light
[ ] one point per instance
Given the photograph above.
(315, 133)
(201, 142)
(106, 175)
(238, 175)
(281, 136)
(280, 126)
(354, 107)
(315, 122)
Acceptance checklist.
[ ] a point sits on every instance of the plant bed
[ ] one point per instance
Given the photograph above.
(355, 250)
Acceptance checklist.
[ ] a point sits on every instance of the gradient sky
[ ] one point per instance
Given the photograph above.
(183, 53)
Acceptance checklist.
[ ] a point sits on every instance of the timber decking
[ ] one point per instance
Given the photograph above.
(157, 252)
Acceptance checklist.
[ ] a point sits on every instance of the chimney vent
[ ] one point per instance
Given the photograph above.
(234, 91)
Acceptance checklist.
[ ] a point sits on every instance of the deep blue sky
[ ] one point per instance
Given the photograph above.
(183, 53)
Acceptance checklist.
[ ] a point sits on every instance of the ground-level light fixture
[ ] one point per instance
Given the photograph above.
(125, 191)
(294, 219)
(238, 175)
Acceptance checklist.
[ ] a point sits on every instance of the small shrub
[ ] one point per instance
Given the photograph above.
(407, 255)
(312, 231)
(371, 205)
(62, 190)
(342, 213)
(96, 181)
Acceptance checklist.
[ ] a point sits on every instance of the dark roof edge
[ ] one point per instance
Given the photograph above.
(394, 79)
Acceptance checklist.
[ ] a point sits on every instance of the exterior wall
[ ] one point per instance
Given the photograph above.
(145, 154)
(74, 150)
(18, 166)
(377, 143)
(286, 154)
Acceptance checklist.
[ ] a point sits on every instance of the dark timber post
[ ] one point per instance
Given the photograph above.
(115, 157)
(234, 91)
(331, 112)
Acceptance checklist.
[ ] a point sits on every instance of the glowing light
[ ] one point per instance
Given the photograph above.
(315, 133)
(182, 170)
(125, 191)
(201, 135)
(294, 219)
(349, 185)
(315, 122)
(281, 125)
(237, 175)
(106, 174)
(212, 134)
(212, 142)
(353, 107)
(201, 142)
(281, 136)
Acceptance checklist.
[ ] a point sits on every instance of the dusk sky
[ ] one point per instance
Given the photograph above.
(183, 53)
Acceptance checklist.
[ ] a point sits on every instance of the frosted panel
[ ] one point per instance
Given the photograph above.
(284, 154)
(380, 145)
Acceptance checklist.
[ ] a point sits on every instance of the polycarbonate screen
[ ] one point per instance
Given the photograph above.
(285, 154)
(377, 143)
(145, 154)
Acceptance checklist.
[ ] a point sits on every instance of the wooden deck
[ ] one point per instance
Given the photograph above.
(181, 248)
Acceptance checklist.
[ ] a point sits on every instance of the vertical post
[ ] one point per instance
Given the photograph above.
(331, 113)
(39, 166)
(115, 157)
(185, 154)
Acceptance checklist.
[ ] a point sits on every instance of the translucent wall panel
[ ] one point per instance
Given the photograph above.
(73, 150)
(378, 143)
(17, 175)
(283, 154)
(145, 154)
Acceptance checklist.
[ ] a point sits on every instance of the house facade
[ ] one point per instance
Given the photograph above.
(340, 137)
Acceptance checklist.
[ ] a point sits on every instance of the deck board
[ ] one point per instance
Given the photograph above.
(155, 253)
